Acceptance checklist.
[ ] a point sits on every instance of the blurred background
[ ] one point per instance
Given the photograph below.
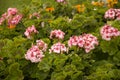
(4, 4)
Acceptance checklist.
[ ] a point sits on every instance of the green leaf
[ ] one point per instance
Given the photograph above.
(58, 76)
(19, 40)
(14, 72)
(59, 61)
(46, 63)
(109, 46)
(69, 69)
(46, 40)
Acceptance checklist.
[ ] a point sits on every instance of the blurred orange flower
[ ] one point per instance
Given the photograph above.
(50, 9)
(80, 8)
(11, 26)
(111, 3)
(97, 3)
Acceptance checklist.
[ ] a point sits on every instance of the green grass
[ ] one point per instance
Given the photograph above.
(5, 4)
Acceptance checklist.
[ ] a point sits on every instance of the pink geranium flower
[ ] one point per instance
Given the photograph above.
(90, 42)
(60, 1)
(110, 14)
(34, 54)
(15, 20)
(12, 16)
(58, 48)
(42, 45)
(73, 41)
(85, 41)
(57, 34)
(12, 11)
(107, 32)
(29, 31)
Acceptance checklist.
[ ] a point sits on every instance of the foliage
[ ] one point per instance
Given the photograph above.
(101, 63)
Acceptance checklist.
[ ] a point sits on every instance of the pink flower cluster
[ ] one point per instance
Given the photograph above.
(12, 11)
(12, 16)
(58, 48)
(60, 1)
(34, 54)
(107, 32)
(15, 20)
(42, 45)
(57, 34)
(112, 14)
(86, 41)
(29, 31)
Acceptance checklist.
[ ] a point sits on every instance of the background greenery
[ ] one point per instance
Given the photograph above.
(4, 4)
(102, 63)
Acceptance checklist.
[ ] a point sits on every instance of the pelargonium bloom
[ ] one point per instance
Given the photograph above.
(85, 41)
(42, 45)
(73, 41)
(117, 14)
(110, 14)
(90, 42)
(34, 54)
(12, 16)
(60, 1)
(29, 31)
(107, 32)
(15, 20)
(12, 11)
(80, 41)
(58, 48)
(57, 34)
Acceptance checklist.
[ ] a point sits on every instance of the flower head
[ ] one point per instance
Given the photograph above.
(60, 1)
(90, 42)
(97, 3)
(110, 14)
(86, 41)
(15, 20)
(34, 54)
(80, 8)
(57, 34)
(73, 41)
(111, 3)
(42, 45)
(58, 48)
(12, 16)
(29, 31)
(107, 32)
(12, 11)
(80, 41)
(50, 9)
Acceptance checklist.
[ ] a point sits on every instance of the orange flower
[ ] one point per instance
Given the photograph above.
(111, 3)
(97, 3)
(80, 8)
(101, 3)
(50, 9)
(11, 26)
